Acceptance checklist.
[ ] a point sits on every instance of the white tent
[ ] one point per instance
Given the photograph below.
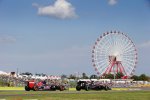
(3, 73)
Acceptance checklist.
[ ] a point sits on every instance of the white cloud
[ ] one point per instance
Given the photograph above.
(35, 5)
(112, 2)
(61, 9)
(145, 44)
(7, 39)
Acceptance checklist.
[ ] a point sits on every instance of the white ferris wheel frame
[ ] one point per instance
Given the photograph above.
(114, 44)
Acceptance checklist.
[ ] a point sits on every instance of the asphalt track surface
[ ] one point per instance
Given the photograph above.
(66, 92)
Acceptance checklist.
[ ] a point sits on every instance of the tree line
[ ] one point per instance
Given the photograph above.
(142, 77)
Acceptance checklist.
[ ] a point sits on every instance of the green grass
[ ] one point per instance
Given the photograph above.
(75, 95)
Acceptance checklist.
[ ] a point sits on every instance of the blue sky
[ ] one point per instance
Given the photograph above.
(39, 36)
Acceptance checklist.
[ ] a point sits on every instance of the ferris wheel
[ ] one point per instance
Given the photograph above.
(114, 52)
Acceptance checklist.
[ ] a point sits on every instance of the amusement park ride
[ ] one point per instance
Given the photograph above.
(114, 52)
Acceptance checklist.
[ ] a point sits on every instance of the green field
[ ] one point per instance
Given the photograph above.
(74, 95)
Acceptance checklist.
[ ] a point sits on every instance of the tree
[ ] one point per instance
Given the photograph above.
(135, 77)
(143, 77)
(119, 75)
(93, 76)
(109, 76)
(84, 76)
(63, 76)
(72, 77)
(149, 78)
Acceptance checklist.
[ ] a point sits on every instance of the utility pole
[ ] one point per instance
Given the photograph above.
(17, 72)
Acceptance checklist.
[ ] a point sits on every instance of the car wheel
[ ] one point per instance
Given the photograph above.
(106, 88)
(78, 88)
(27, 88)
(53, 88)
(61, 88)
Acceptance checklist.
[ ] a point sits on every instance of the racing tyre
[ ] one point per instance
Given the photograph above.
(53, 88)
(61, 88)
(100, 88)
(106, 88)
(27, 88)
(78, 88)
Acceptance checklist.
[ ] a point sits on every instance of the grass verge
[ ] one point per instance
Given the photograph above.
(75, 95)
(70, 89)
(11, 88)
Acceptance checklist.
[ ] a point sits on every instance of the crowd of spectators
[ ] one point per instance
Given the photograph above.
(11, 81)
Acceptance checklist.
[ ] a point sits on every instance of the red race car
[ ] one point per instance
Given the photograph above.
(42, 86)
